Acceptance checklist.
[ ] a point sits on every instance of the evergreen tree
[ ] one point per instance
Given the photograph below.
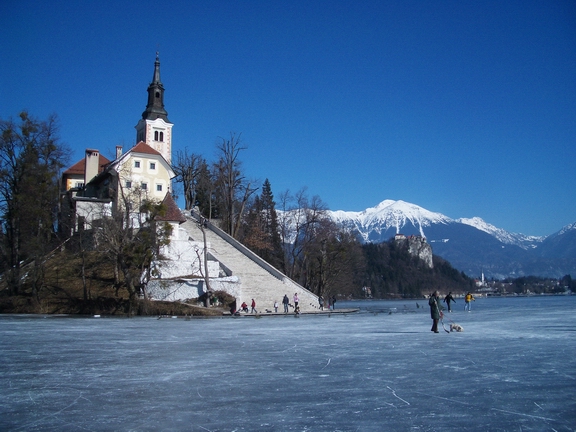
(274, 253)
(31, 158)
(260, 228)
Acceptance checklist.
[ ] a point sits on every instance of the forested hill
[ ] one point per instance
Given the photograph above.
(391, 271)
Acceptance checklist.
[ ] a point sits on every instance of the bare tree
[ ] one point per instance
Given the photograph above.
(188, 170)
(232, 188)
(300, 222)
(132, 239)
(336, 259)
(203, 224)
(31, 158)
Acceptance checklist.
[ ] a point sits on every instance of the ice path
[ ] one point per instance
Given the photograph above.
(511, 369)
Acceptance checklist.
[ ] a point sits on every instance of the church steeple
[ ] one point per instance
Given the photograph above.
(155, 108)
(154, 128)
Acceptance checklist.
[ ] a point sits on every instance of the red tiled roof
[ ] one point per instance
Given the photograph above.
(173, 213)
(142, 147)
(80, 166)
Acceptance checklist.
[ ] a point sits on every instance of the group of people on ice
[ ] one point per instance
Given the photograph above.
(436, 308)
(331, 303)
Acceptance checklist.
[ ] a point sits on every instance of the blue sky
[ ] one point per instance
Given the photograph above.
(464, 108)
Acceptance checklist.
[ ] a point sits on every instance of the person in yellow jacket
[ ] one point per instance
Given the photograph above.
(468, 302)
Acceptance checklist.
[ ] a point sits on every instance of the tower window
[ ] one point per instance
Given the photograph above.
(158, 136)
(157, 94)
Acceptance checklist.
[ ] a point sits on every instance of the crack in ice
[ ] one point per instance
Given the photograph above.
(522, 414)
(394, 393)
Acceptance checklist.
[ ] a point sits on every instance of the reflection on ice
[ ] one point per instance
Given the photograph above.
(378, 369)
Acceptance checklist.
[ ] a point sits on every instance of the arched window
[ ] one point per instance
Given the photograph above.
(155, 135)
(161, 136)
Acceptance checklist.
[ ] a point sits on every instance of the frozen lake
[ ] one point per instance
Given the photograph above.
(512, 369)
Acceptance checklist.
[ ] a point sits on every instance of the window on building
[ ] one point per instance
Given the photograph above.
(79, 185)
(144, 186)
(136, 164)
(128, 184)
(158, 136)
(152, 165)
(159, 188)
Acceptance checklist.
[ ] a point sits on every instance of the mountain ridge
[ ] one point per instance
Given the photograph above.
(472, 245)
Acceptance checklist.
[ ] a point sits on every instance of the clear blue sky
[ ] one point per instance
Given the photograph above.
(464, 108)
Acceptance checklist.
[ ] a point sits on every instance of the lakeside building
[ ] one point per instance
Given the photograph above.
(200, 257)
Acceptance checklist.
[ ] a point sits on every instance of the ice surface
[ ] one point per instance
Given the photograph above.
(513, 368)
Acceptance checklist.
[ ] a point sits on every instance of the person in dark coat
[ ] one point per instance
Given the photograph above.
(449, 299)
(285, 302)
(435, 310)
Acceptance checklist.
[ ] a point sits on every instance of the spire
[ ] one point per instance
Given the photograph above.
(156, 77)
(155, 108)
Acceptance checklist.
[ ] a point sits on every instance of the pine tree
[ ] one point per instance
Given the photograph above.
(260, 228)
(274, 254)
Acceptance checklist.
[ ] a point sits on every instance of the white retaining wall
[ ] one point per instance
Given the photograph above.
(236, 270)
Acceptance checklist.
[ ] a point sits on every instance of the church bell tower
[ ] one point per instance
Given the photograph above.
(154, 128)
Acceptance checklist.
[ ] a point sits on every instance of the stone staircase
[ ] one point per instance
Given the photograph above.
(243, 274)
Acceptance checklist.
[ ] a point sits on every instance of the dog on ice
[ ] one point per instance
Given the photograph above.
(456, 327)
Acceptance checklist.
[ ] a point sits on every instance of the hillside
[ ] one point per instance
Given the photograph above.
(392, 272)
(62, 292)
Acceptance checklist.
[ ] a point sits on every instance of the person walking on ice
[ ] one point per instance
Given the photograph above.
(449, 299)
(254, 307)
(435, 310)
(468, 302)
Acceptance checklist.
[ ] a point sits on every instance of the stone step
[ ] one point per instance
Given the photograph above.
(258, 279)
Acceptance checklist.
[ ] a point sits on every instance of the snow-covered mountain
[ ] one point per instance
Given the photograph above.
(389, 215)
(524, 241)
(469, 244)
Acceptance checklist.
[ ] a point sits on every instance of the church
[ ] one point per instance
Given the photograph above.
(95, 188)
